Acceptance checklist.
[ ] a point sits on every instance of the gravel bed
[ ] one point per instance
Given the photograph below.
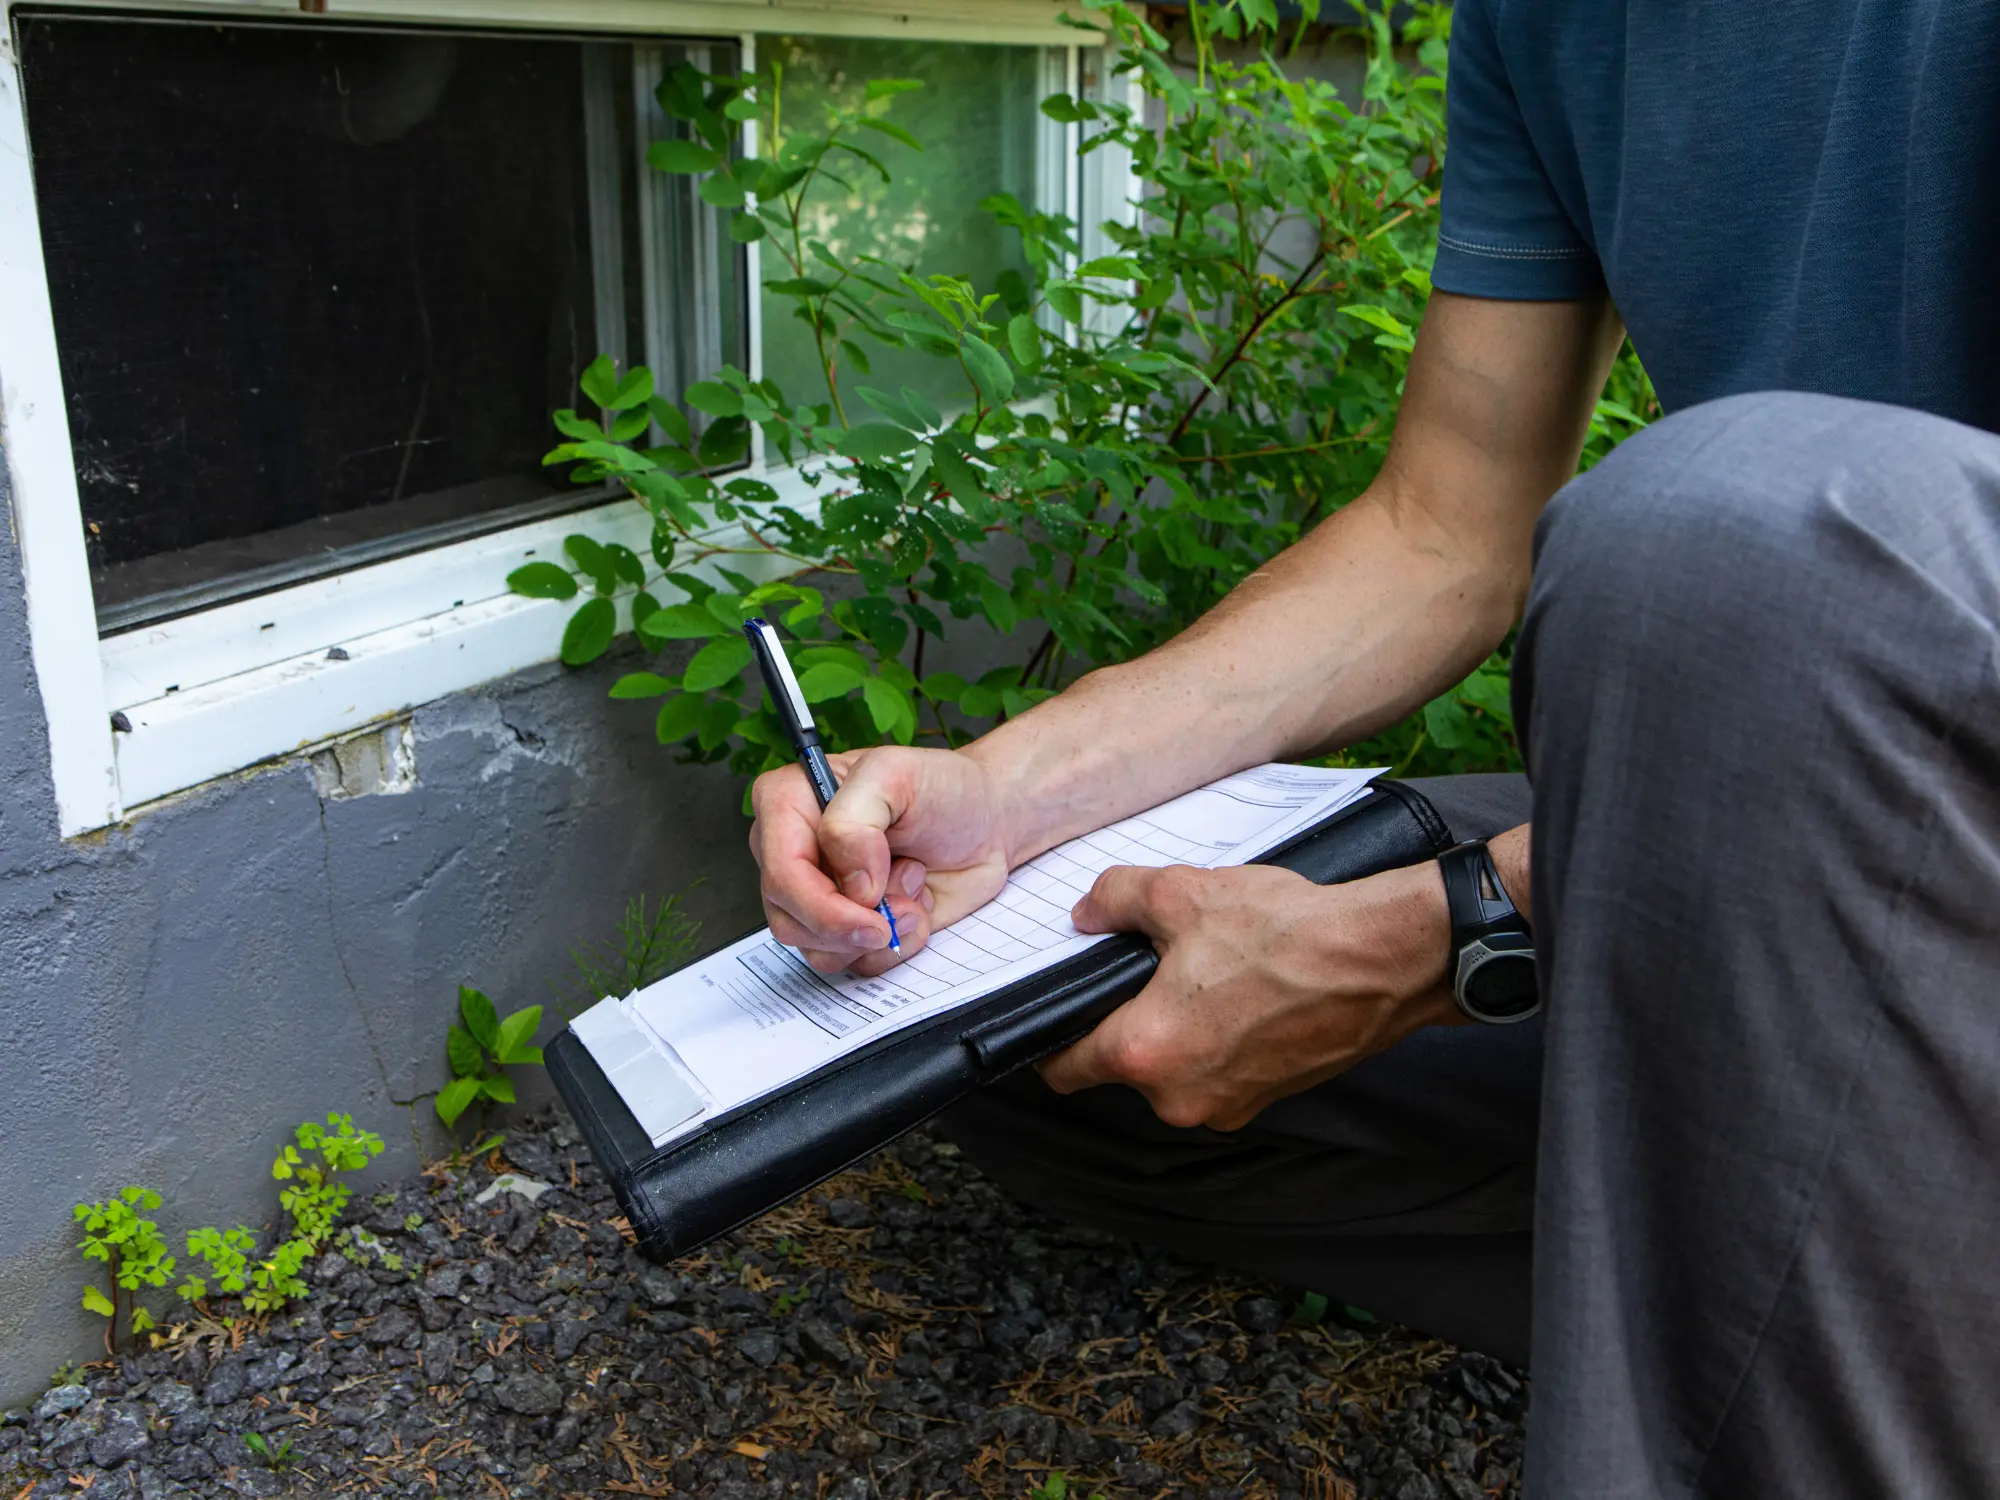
(906, 1330)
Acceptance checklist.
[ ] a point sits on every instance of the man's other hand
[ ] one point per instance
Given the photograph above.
(1268, 984)
(921, 825)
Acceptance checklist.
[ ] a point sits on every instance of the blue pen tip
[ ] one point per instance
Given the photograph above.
(895, 938)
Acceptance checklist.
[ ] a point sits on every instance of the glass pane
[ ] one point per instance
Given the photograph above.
(976, 117)
(316, 289)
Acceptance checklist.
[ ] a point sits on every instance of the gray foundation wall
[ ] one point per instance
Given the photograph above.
(177, 993)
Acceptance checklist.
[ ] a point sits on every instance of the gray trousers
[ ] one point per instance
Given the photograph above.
(1757, 682)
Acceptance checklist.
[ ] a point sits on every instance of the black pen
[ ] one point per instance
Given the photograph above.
(797, 717)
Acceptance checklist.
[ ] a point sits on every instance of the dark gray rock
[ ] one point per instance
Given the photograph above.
(392, 1327)
(850, 1213)
(1177, 1420)
(1053, 1342)
(568, 1337)
(59, 1400)
(532, 1395)
(123, 1437)
(1258, 1315)
(227, 1382)
(820, 1340)
(759, 1346)
(440, 1357)
(660, 1287)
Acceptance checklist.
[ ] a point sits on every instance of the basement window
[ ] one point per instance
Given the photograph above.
(316, 287)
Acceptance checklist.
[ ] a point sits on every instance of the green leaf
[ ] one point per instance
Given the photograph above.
(634, 390)
(498, 1087)
(95, 1301)
(679, 718)
(945, 687)
(829, 680)
(681, 156)
(1449, 724)
(455, 1098)
(590, 555)
(999, 606)
(1066, 300)
(1116, 267)
(599, 379)
(1025, 340)
(480, 1018)
(716, 399)
(746, 229)
(922, 408)
(889, 707)
(643, 685)
(721, 191)
(672, 422)
(989, 371)
(718, 662)
(682, 622)
(883, 88)
(889, 406)
(467, 1060)
(516, 1032)
(543, 580)
(626, 563)
(1378, 317)
(874, 442)
(894, 131)
(589, 632)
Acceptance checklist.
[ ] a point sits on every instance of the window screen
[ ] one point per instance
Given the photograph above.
(977, 118)
(316, 289)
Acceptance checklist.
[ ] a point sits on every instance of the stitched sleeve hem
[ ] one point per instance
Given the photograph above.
(1520, 273)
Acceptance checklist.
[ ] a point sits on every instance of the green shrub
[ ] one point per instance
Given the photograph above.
(1133, 433)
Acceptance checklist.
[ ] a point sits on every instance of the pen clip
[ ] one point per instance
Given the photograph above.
(786, 694)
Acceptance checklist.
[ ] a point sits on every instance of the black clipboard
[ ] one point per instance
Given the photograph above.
(759, 1155)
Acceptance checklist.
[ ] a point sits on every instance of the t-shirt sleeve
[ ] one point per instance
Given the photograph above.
(1505, 232)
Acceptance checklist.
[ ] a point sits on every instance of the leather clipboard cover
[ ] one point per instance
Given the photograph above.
(751, 1159)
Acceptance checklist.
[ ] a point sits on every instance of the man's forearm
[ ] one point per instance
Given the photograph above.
(1388, 603)
(1364, 621)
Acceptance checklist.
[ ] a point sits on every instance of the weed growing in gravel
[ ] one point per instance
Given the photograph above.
(273, 1458)
(649, 946)
(482, 1050)
(131, 1249)
(135, 1253)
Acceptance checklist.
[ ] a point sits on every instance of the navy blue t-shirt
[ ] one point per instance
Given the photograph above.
(1778, 194)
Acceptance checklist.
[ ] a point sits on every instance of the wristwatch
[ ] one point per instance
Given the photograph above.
(1492, 966)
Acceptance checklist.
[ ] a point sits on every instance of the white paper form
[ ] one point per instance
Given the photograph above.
(755, 1016)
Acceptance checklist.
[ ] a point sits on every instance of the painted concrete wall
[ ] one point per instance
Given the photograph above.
(177, 993)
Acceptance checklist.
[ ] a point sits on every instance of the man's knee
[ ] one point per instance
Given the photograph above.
(1760, 521)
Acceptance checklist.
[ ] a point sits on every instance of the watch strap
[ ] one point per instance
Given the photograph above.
(1476, 900)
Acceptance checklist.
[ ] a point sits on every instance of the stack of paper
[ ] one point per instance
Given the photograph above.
(755, 1016)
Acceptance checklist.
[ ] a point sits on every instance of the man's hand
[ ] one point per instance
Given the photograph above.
(1268, 984)
(922, 825)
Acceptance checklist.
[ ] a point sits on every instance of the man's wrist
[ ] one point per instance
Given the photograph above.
(1416, 923)
(1512, 853)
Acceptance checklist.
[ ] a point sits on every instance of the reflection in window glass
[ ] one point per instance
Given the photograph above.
(317, 288)
(976, 117)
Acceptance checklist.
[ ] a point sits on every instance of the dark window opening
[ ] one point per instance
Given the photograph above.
(316, 288)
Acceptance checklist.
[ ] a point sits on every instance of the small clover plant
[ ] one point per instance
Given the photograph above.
(315, 1199)
(482, 1050)
(130, 1246)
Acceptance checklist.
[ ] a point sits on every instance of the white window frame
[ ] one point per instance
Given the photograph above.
(243, 682)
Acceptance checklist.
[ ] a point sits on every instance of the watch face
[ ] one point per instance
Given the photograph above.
(1501, 987)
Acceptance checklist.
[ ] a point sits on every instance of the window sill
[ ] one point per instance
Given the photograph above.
(229, 688)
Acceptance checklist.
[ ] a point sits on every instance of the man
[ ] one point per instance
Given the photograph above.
(1757, 684)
